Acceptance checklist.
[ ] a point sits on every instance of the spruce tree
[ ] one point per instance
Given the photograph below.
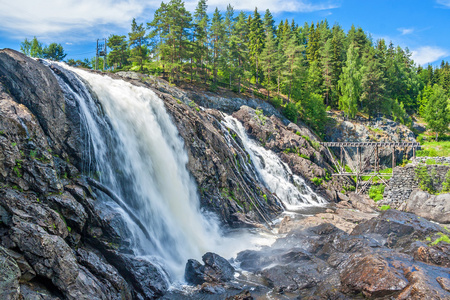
(256, 41)
(437, 113)
(217, 41)
(350, 83)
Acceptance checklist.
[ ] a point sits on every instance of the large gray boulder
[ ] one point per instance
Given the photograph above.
(432, 207)
(9, 278)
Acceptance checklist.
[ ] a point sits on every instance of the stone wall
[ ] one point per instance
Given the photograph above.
(404, 181)
(438, 160)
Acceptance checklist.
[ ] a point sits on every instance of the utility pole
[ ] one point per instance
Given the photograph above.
(101, 51)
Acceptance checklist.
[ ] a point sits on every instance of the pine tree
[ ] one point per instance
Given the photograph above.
(137, 43)
(227, 61)
(217, 41)
(54, 51)
(25, 47)
(350, 83)
(36, 49)
(117, 57)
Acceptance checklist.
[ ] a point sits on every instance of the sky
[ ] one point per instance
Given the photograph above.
(421, 25)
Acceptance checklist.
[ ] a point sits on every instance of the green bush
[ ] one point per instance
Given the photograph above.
(446, 183)
(385, 207)
(290, 112)
(425, 180)
(276, 101)
(317, 181)
(376, 192)
(443, 238)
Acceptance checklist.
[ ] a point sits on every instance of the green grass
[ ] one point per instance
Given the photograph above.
(443, 238)
(433, 149)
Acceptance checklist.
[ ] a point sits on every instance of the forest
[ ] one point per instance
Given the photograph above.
(302, 69)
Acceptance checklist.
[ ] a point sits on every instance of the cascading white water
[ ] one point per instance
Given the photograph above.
(276, 175)
(146, 168)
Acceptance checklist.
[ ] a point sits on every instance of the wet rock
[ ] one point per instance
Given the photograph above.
(29, 208)
(432, 207)
(194, 272)
(24, 158)
(9, 279)
(73, 212)
(444, 283)
(26, 271)
(52, 258)
(216, 269)
(34, 85)
(399, 228)
(148, 280)
(109, 275)
(373, 276)
(437, 255)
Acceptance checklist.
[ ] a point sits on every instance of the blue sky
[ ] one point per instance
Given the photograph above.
(421, 25)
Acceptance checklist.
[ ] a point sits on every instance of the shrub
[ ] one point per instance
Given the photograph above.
(317, 181)
(385, 207)
(443, 238)
(290, 112)
(376, 192)
(446, 183)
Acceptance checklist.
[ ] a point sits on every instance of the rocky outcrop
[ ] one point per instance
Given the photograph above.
(34, 85)
(56, 237)
(300, 150)
(432, 207)
(342, 129)
(378, 259)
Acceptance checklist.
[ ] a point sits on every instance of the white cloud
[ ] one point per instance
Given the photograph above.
(444, 3)
(85, 19)
(427, 54)
(405, 31)
(52, 17)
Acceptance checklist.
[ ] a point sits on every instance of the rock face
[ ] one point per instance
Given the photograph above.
(296, 146)
(340, 129)
(56, 237)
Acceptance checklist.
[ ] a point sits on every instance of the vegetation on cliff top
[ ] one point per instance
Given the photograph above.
(304, 68)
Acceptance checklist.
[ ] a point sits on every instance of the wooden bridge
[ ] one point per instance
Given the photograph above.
(361, 165)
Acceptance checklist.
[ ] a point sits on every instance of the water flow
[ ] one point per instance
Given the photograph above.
(275, 174)
(140, 156)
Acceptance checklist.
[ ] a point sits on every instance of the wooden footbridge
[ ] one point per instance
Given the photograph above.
(366, 161)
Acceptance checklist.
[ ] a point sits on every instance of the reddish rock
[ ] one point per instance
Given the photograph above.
(373, 276)
(436, 255)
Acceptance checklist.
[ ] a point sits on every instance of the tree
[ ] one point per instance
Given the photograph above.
(268, 56)
(238, 47)
(372, 84)
(138, 44)
(256, 40)
(118, 55)
(350, 83)
(314, 111)
(437, 113)
(201, 26)
(54, 52)
(25, 47)
(217, 37)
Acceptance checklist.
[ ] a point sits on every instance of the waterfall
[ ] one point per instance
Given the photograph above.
(275, 174)
(140, 156)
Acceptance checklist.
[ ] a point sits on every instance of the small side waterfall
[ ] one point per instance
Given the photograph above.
(140, 156)
(275, 174)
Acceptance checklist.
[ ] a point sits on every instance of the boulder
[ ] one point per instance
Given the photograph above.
(216, 269)
(373, 276)
(432, 207)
